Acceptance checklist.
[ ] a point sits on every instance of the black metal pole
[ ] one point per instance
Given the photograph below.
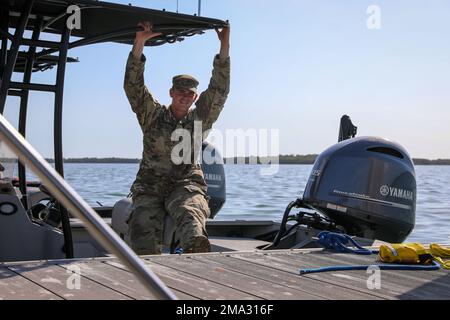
(59, 101)
(6, 34)
(12, 56)
(57, 132)
(15, 93)
(4, 48)
(33, 86)
(41, 43)
(24, 107)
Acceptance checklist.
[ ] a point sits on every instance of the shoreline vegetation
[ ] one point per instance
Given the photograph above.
(284, 159)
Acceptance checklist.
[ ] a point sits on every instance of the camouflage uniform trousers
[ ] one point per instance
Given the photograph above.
(188, 209)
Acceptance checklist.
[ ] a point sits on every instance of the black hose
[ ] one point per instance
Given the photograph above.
(282, 230)
(292, 227)
(67, 232)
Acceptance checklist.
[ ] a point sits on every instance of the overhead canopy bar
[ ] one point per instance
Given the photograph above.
(41, 63)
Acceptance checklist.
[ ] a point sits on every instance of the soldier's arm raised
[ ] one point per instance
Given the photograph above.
(211, 101)
(224, 37)
(141, 100)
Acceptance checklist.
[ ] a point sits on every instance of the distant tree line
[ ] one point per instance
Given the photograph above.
(283, 159)
(418, 161)
(97, 160)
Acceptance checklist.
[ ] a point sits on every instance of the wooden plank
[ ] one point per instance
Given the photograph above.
(277, 262)
(407, 284)
(15, 287)
(113, 278)
(191, 285)
(320, 289)
(119, 280)
(56, 279)
(251, 285)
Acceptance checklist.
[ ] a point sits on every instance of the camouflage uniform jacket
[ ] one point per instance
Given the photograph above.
(157, 174)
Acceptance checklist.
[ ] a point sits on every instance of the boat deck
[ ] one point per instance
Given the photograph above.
(235, 275)
(230, 275)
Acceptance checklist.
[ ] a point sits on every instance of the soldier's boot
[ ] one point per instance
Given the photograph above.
(200, 244)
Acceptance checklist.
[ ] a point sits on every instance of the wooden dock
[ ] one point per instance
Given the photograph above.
(230, 275)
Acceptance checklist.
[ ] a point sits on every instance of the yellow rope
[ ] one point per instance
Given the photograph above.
(438, 252)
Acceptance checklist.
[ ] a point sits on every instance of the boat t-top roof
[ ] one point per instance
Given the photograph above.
(99, 22)
(104, 21)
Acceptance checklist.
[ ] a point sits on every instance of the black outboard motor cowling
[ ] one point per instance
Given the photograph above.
(368, 186)
(213, 170)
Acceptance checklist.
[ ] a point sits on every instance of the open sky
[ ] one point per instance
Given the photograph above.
(297, 66)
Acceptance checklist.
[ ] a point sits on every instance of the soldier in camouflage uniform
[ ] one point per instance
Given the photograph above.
(162, 186)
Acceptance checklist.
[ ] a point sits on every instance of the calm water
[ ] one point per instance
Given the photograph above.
(252, 196)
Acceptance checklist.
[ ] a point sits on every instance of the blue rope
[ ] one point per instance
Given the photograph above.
(337, 241)
(434, 266)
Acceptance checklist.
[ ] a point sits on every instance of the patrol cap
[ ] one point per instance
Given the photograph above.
(186, 82)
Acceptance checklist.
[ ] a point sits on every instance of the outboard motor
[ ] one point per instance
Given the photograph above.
(212, 166)
(364, 187)
(367, 185)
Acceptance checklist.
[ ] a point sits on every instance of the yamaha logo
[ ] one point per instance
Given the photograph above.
(396, 192)
(213, 177)
(384, 190)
